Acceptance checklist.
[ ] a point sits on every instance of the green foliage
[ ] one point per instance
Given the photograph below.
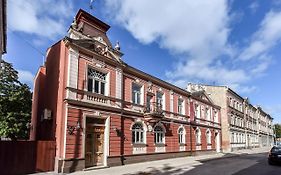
(277, 130)
(15, 104)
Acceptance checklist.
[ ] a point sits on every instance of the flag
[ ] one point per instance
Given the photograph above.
(91, 4)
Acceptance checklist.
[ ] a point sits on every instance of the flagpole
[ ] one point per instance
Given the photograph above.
(91, 6)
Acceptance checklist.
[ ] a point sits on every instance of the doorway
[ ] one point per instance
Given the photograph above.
(94, 143)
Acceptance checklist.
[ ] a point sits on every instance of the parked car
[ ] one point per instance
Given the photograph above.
(274, 155)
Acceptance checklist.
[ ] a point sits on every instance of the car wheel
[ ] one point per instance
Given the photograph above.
(269, 162)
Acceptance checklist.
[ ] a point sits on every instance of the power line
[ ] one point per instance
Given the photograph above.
(31, 45)
(28, 43)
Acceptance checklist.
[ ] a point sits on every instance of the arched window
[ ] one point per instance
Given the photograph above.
(198, 136)
(96, 81)
(208, 137)
(159, 134)
(137, 133)
(181, 134)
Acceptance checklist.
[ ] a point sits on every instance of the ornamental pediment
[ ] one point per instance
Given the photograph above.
(99, 46)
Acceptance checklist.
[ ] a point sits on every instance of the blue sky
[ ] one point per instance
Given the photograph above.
(222, 42)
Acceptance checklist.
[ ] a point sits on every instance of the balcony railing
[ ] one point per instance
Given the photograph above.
(154, 110)
(207, 122)
(90, 97)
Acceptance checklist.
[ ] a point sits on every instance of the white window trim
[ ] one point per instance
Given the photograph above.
(208, 137)
(144, 130)
(164, 132)
(198, 141)
(107, 79)
(184, 134)
(141, 93)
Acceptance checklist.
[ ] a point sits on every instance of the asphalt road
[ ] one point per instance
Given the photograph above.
(253, 164)
(250, 164)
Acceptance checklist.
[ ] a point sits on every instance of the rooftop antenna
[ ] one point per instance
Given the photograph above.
(91, 6)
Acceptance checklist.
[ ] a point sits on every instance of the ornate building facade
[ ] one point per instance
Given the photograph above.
(243, 125)
(102, 112)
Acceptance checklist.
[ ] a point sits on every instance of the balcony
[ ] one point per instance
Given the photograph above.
(93, 98)
(154, 110)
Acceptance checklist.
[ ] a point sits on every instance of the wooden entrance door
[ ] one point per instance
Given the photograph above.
(94, 146)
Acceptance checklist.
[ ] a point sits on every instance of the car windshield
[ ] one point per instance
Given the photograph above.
(276, 149)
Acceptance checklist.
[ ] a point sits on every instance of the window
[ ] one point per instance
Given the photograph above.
(198, 136)
(158, 134)
(216, 119)
(181, 134)
(180, 106)
(208, 137)
(96, 81)
(136, 94)
(137, 133)
(197, 111)
(159, 100)
(148, 103)
(208, 113)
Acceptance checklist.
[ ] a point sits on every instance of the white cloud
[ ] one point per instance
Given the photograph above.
(268, 35)
(254, 7)
(274, 111)
(176, 25)
(44, 18)
(243, 89)
(199, 38)
(261, 67)
(26, 77)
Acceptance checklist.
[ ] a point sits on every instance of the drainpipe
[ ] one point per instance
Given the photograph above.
(122, 121)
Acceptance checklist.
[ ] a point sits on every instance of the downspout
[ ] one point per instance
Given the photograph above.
(190, 128)
(122, 121)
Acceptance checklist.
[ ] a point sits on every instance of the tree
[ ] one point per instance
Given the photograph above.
(277, 130)
(15, 104)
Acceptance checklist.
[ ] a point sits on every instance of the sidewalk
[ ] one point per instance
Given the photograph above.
(160, 166)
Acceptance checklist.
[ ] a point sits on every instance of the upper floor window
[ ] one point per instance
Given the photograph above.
(96, 81)
(160, 99)
(148, 103)
(159, 134)
(197, 111)
(216, 118)
(136, 93)
(180, 106)
(208, 113)
(137, 133)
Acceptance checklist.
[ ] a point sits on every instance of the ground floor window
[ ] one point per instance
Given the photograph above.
(208, 137)
(137, 133)
(181, 135)
(159, 135)
(198, 136)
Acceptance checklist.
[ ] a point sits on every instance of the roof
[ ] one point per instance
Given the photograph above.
(3, 26)
(81, 13)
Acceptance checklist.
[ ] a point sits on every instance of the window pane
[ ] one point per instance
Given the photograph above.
(137, 138)
(136, 93)
(102, 88)
(133, 136)
(96, 86)
(141, 137)
(138, 98)
(90, 85)
(148, 103)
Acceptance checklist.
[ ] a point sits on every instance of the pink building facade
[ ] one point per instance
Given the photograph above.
(102, 112)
